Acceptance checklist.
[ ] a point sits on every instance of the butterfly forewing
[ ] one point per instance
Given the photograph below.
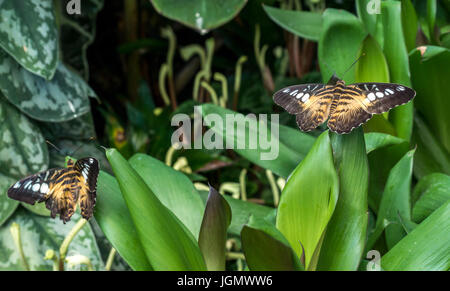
(61, 189)
(309, 102)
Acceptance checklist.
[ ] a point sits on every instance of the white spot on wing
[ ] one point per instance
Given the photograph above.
(36, 187)
(293, 93)
(305, 97)
(286, 91)
(44, 188)
(371, 96)
(17, 185)
(379, 94)
(389, 91)
(400, 88)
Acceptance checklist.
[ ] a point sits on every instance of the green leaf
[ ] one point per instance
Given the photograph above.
(28, 33)
(430, 193)
(213, 233)
(427, 247)
(168, 244)
(63, 98)
(395, 202)
(339, 44)
(7, 205)
(345, 236)
(376, 140)
(372, 66)
(308, 200)
(201, 15)
(173, 189)
(112, 215)
(409, 24)
(292, 144)
(266, 249)
(302, 23)
(39, 234)
(242, 210)
(429, 76)
(431, 155)
(431, 18)
(397, 58)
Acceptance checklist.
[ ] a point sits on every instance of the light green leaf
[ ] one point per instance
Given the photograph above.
(201, 15)
(426, 248)
(430, 193)
(376, 140)
(302, 23)
(173, 189)
(339, 44)
(112, 215)
(39, 234)
(308, 201)
(409, 24)
(28, 33)
(345, 236)
(63, 98)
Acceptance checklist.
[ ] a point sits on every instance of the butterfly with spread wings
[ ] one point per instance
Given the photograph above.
(62, 189)
(345, 106)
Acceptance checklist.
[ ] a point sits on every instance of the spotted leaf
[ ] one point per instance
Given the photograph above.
(63, 98)
(28, 33)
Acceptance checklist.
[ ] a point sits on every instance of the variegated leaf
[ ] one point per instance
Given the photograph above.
(28, 33)
(39, 234)
(7, 206)
(63, 98)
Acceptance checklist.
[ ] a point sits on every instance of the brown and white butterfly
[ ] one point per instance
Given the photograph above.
(62, 189)
(345, 106)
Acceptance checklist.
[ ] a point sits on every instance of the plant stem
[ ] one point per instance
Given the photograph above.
(65, 244)
(273, 186)
(15, 232)
(110, 259)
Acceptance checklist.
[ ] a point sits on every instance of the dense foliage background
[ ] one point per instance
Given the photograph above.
(120, 70)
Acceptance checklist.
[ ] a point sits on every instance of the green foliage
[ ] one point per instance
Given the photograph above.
(321, 201)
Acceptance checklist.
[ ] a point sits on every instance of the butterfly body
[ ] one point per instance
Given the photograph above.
(62, 189)
(345, 106)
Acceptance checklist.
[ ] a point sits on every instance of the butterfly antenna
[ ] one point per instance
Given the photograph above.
(57, 148)
(90, 139)
(363, 54)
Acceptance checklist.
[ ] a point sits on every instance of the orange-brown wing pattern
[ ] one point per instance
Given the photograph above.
(349, 111)
(309, 102)
(61, 189)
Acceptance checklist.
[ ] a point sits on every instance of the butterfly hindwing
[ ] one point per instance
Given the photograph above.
(381, 97)
(87, 185)
(61, 189)
(309, 102)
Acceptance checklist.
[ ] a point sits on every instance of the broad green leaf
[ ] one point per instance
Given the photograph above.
(409, 24)
(429, 74)
(376, 140)
(372, 66)
(345, 236)
(339, 44)
(79, 128)
(173, 189)
(431, 19)
(266, 249)
(168, 244)
(308, 201)
(112, 215)
(7, 205)
(430, 193)
(276, 147)
(28, 33)
(242, 211)
(431, 155)
(427, 247)
(63, 98)
(39, 234)
(213, 232)
(201, 15)
(397, 58)
(302, 23)
(395, 202)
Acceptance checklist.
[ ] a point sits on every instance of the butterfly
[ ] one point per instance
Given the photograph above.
(345, 106)
(62, 189)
